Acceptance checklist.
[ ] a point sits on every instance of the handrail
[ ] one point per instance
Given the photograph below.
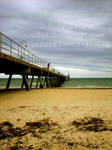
(7, 46)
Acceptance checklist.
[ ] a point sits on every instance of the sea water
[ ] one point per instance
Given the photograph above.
(72, 83)
(15, 82)
(88, 83)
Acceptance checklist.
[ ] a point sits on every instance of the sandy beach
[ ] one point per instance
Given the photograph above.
(56, 119)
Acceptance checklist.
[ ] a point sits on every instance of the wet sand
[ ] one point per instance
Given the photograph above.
(56, 119)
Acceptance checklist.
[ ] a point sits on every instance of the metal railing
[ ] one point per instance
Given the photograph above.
(12, 48)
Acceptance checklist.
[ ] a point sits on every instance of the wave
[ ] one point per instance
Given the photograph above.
(82, 87)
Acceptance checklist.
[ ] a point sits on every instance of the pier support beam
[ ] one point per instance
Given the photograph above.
(54, 82)
(31, 81)
(9, 80)
(41, 80)
(46, 79)
(25, 82)
(22, 84)
(37, 83)
(51, 82)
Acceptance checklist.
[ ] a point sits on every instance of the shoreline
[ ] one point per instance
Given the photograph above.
(10, 89)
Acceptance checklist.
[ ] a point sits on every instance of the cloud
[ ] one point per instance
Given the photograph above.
(83, 73)
(74, 34)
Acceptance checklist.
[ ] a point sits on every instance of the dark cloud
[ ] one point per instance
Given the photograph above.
(76, 35)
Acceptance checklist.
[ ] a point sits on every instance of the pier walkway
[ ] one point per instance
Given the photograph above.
(16, 60)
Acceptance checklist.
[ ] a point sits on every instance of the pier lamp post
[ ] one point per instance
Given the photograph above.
(24, 42)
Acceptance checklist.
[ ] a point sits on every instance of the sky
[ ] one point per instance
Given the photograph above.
(74, 35)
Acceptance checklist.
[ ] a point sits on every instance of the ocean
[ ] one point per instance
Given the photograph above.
(88, 83)
(72, 83)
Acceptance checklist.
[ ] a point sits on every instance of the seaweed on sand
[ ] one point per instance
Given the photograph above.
(8, 130)
(92, 124)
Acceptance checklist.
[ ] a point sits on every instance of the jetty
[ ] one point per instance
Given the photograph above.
(15, 59)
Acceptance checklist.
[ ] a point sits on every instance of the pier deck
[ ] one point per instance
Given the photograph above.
(16, 60)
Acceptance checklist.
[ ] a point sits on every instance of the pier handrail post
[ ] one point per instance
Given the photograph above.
(18, 51)
(0, 42)
(24, 53)
(28, 57)
(10, 47)
(21, 53)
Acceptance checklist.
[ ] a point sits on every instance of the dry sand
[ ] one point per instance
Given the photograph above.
(56, 119)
